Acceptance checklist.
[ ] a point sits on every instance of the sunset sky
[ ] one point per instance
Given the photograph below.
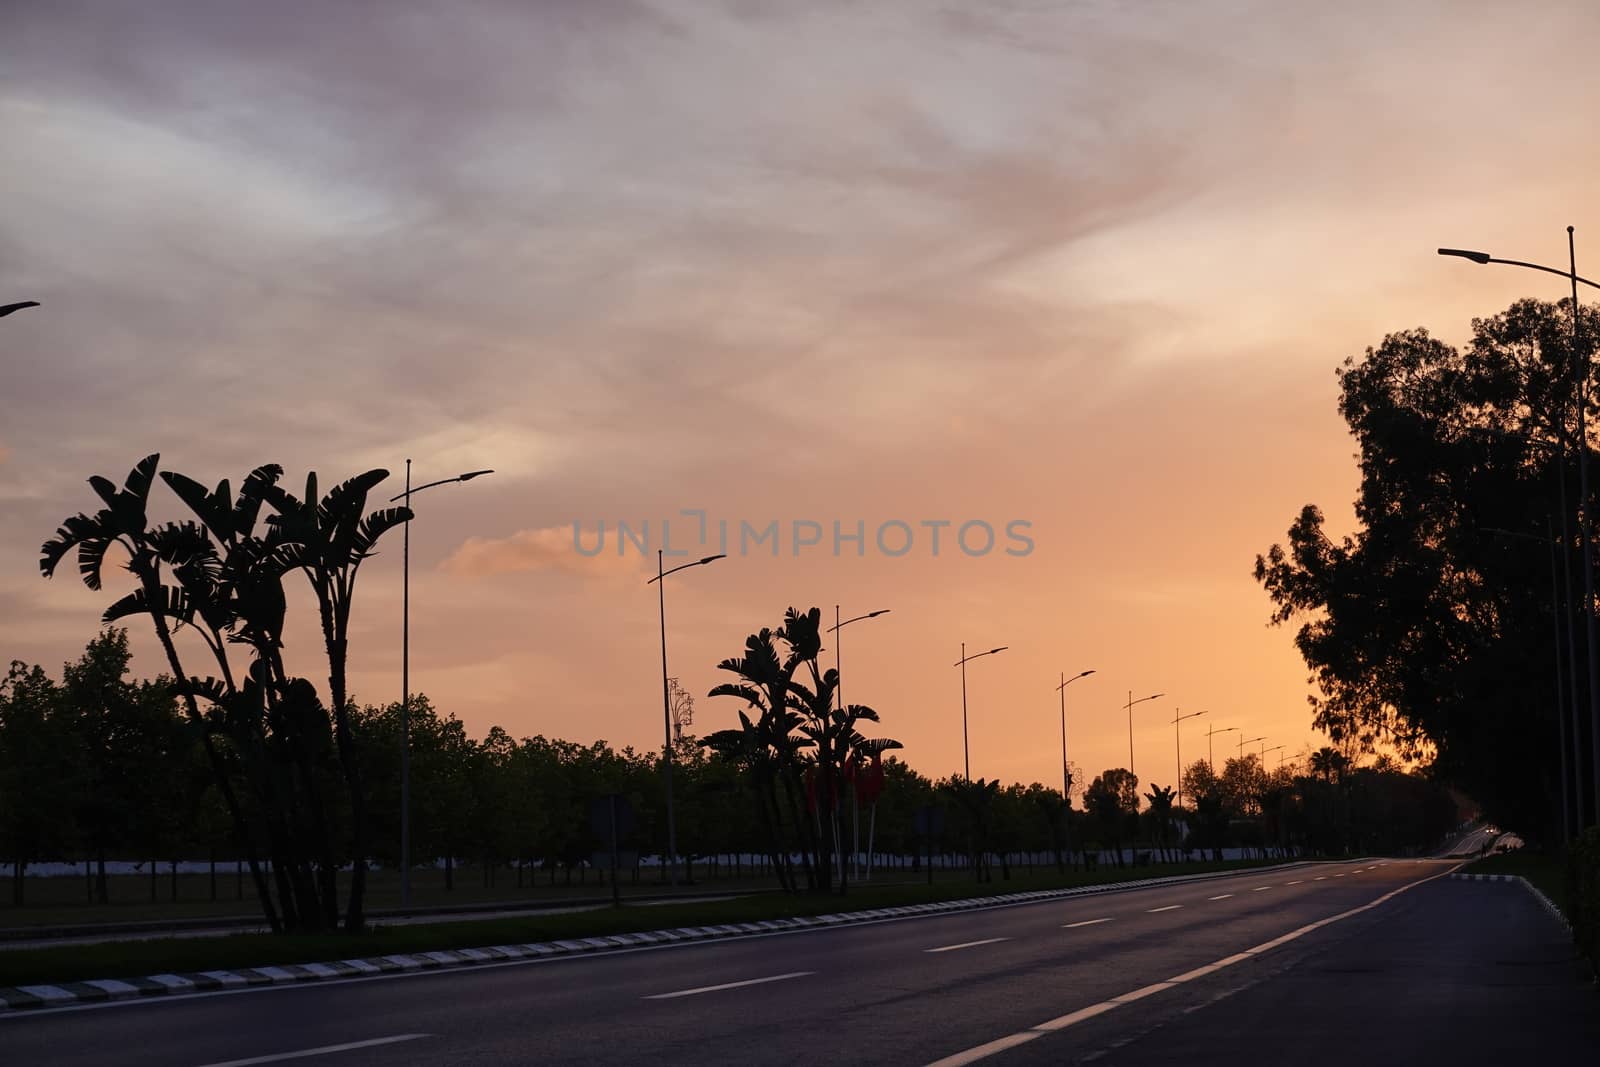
(1084, 265)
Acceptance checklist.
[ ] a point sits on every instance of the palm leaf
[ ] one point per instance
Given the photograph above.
(72, 531)
(749, 694)
(141, 477)
(375, 526)
(92, 550)
(105, 489)
(174, 603)
(212, 508)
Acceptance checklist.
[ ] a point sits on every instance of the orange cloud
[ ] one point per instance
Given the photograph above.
(551, 548)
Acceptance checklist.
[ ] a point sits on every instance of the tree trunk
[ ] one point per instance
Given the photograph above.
(154, 595)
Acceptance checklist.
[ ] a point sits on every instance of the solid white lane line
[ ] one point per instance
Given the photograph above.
(967, 944)
(1220, 896)
(1169, 907)
(1086, 922)
(727, 985)
(348, 1046)
(1022, 1037)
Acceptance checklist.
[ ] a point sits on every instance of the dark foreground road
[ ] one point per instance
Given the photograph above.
(1443, 971)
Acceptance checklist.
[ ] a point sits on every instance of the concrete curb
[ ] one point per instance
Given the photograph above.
(65, 994)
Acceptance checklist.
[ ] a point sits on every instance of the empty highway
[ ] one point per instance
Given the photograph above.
(1380, 961)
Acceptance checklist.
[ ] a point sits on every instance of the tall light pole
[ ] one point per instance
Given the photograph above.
(1243, 741)
(1211, 761)
(1275, 748)
(1580, 359)
(9, 308)
(1066, 775)
(405, 677)
(1129, 706)
(666, 700)
(966, 754)
(838, 670)
(1178, 741)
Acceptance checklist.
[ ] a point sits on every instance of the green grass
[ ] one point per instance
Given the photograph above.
(157, 956)
(1546, 870)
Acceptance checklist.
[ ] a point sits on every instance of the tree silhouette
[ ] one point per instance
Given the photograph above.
(1424, 631)
(265, 729)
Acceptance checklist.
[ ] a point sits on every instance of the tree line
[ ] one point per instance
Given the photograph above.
(302, 786)
(97, 766)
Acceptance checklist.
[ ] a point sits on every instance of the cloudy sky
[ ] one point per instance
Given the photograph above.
(1087, 266)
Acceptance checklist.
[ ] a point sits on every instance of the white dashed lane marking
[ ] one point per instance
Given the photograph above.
(967, 944)
(727, 985)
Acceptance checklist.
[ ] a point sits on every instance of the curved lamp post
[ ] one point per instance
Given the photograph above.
(1129, 706)
(666, 699)
(1581, 391)
(1066, 777)
(1210, 751)
(838, 670)
(405, 678)
(9, 308)
(1178, 740)
(966, 755)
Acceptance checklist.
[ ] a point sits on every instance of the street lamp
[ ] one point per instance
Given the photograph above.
(666, 699)
(1210, 752)
(1581, 389)
(839, 688)
(966, 755)
(1249, 741)
(1066, 775)
(405, 677)
(1275, 748)
(1178, 741)
(1066, 778)
(9, 308)
(1129, 705)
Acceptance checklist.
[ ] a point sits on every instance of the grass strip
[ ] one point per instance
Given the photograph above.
(1546, 870)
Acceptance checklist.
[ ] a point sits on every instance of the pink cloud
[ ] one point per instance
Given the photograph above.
(549, 549)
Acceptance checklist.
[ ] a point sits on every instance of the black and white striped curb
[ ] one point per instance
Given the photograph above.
(65, 994)
(1538, 894)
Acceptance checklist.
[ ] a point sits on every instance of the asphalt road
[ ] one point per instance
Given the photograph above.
(1423, 976)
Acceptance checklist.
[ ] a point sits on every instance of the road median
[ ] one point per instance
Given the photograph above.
(45, 978)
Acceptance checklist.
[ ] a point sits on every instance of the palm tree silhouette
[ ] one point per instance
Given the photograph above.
(327, 540)
(123, 522)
